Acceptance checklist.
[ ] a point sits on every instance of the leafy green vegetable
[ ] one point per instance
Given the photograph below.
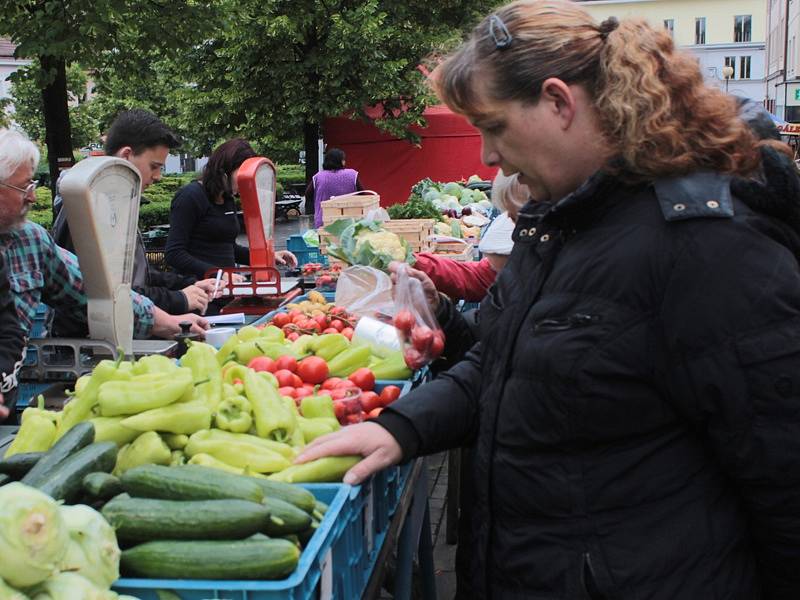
(367, 243)
(69, 586)
(33, 535)
(415, 208)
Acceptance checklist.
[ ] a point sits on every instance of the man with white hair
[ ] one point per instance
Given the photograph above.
(38, 269)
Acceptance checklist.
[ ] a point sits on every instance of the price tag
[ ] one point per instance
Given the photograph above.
(369, 513)
(326, 578)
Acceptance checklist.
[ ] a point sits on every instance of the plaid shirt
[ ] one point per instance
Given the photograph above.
(41, 271)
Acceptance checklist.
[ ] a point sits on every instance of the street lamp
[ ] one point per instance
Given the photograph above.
(727, 73)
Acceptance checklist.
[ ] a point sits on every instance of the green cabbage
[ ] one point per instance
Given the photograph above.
(9, 593)
(366, 243)
(33, 536)
(92, 550)
(70, 586)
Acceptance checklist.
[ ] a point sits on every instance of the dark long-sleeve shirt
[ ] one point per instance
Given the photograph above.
(202, 233)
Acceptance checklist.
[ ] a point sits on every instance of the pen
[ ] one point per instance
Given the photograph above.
(216, 287)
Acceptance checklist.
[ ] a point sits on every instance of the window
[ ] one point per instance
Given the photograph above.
(700, 30)
(742, 25)
(730, 61)
(744, 67)
(669, 25)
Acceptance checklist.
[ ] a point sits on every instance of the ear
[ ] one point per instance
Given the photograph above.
(561, 100)
(125, 152)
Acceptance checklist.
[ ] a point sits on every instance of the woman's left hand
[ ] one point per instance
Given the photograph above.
(284, 257)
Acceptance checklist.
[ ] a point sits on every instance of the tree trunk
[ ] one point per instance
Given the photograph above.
(58, 134)
(311, 146)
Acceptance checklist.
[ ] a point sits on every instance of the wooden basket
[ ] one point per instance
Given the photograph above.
(414, 231)
(349, 206)
(460, 251)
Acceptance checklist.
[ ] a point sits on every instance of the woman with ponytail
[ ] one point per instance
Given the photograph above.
(634, 400)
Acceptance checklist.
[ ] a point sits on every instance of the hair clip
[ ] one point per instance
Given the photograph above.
(500, 34)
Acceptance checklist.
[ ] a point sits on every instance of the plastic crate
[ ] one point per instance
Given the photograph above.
(27, 391)
(331, 566)
(305, 253)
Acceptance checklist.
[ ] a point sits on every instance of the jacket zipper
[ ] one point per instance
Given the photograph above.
(564, 323)
(590, 579)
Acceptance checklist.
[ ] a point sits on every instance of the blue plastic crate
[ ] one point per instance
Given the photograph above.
(305, 253)
(27, 392)
(332, 565)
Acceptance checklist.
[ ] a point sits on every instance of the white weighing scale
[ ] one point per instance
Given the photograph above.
(101, 196)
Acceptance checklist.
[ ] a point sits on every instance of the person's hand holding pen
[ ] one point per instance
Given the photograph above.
(215, 291)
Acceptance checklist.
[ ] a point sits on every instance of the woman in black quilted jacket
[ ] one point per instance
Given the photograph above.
(634, 400)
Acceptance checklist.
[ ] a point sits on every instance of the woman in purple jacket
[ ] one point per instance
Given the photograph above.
(333, 180)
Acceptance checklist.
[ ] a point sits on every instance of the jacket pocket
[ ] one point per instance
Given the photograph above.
(565, 323)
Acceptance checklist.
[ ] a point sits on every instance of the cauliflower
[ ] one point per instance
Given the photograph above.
(381, 241)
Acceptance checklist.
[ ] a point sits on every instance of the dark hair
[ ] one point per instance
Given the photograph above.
(140, 129)
(228, 157)
(334, 159)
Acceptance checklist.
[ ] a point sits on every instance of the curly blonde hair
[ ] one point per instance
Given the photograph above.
(654, 110)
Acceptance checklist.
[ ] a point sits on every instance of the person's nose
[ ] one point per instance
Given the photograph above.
(489, 156)
(156, 175)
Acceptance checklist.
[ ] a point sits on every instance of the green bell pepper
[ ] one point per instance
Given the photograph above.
(233, 414)
(271, 416)
(186, 418)
(247, 351)
(314, 428)
(177, 458)
(315, 407)
(238, 454)
(392, 367)
(233, 371)
(218, 435)
(327, 469)
(111, 429)
(352, 359)
(146, 449)
(224, 354)
(206, 373)
(143, 392)
(206, 460)
(36, 434)
(248, 333)
(39, 410)
(273, 334)
(154, 363)
(79, 408)
(329, 345)
(175, 441)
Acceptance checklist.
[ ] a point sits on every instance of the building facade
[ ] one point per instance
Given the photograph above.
(783, 59)
(720, 33)
(8, 65)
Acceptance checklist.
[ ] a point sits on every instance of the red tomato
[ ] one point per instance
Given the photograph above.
(389, 394)
(313, 369)
(375, 412)
(337, 324)
(295, 312)
(421, 337)
(281, 319)
(322, 321)
(302, 392)
(299, 319)
(413, 358)
(330, 330)
(287, 390)
(340, 410)
(338, 310)
(370, 401)
(331, 383)
(286, 362)
(298, 382)
(285, 378)
(363, 378)
(340, 393)
(262, 363)
(354, 418)
(404, 320)
(292, 336)
(347, 332)
(437, 344)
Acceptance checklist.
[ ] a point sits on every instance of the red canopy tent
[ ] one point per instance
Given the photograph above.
(450, 151)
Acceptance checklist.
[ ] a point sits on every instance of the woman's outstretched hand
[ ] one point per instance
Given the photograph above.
(370, 440)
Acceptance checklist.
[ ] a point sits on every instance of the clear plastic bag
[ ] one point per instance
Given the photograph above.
(418, 329)
(365, 291)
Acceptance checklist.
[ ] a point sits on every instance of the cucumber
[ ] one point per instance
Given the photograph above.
(189, 482)
(288, 492)
(242, 559)
(18, 465)
(144, 519)
(101, 486)
(76, 438)
(284, 518)
(66, 481)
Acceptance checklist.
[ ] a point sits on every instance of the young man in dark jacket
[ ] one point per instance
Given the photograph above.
(141, 138)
